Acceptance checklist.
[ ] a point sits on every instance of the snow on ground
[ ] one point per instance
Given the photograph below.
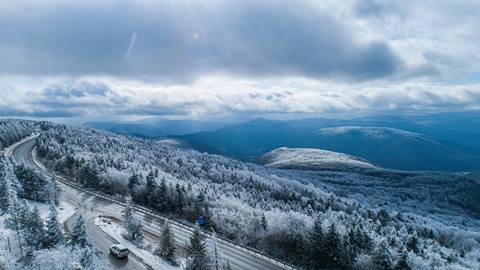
(6, 235)
(64, 210)
(115, 230)
(315, 159)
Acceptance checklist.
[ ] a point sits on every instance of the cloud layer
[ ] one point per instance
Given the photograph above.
(183, 40)
(184, 58)
(219, 97)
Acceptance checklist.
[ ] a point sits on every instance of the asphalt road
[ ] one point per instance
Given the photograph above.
(91, 206)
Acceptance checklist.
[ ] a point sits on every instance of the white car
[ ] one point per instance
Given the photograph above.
(119, 251)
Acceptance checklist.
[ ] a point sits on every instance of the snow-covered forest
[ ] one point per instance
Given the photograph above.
(33, 242)
(314, 220)
(302, 223)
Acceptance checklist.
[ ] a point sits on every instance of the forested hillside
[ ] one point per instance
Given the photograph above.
(28, 240)
(12, 131)
(308, 220)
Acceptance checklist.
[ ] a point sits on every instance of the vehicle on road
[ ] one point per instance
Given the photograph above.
(119, 251)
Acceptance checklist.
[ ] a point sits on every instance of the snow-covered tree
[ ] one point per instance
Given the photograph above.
(132, 225)
(88, 259)
(79, 235)
(402, 263)
(330, 249)
(215, 253)
(167, 249)
(34, 230)
(381, 257)
(54, 234)
(197, 253)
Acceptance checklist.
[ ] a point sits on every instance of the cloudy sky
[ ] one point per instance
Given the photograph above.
(226, 59)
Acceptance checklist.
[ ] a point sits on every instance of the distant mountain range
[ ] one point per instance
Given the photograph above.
(447, 141)
(154, 127)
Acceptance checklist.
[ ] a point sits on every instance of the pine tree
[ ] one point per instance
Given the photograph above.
(315, 245)
(331, 249)
(197, 253)
(167, 244)
(88, 259)
(34, 230)
(180, 199)
(381, 257)
(217, 257)
(150, 190)
(54, 234)
(412, 243)
(133, 181)
(161, 196)
(79, 235)
(263, 222)
(402, 263)
(132, 225)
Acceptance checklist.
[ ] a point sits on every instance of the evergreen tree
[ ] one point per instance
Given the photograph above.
(33, 183)
(412, 243)
(197, 253)
(150, 190)
(88, 259)
(34, 230)
(79, 235)
(347, 254)
(54, 234)
(217, 258)
(132, 225)
(167, 244)
(133, 181)
(402, 263)
(263, 222)
(161, 197)
(330, 251)
(180, 199)
(315, 245)
(381, 257)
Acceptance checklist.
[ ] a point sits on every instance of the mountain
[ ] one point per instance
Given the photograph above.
(412, 142)
(313, 159)
(154, 127)
(433, 214)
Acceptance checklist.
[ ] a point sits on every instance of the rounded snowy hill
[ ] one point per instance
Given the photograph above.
(313, 159)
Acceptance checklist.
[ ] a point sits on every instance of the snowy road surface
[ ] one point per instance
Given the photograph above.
(91, 206)
(86, 207)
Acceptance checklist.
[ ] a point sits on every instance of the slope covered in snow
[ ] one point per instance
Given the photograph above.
(313, 159)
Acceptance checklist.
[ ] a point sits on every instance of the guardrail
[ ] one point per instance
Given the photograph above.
(253, 252)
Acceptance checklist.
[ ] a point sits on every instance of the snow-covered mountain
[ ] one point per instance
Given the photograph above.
(313, 159)
(432, 142)
(430, 216)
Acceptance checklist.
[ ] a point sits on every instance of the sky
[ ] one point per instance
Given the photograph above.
(224, 59)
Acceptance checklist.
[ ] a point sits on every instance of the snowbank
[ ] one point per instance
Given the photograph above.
(115, 230)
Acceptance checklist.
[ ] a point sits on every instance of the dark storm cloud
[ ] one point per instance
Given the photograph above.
(180, 41)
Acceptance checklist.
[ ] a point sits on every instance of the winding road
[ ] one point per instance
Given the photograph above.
(91, 205)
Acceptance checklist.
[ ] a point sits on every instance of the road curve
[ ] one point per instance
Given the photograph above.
(91, 206)
(100, 240)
